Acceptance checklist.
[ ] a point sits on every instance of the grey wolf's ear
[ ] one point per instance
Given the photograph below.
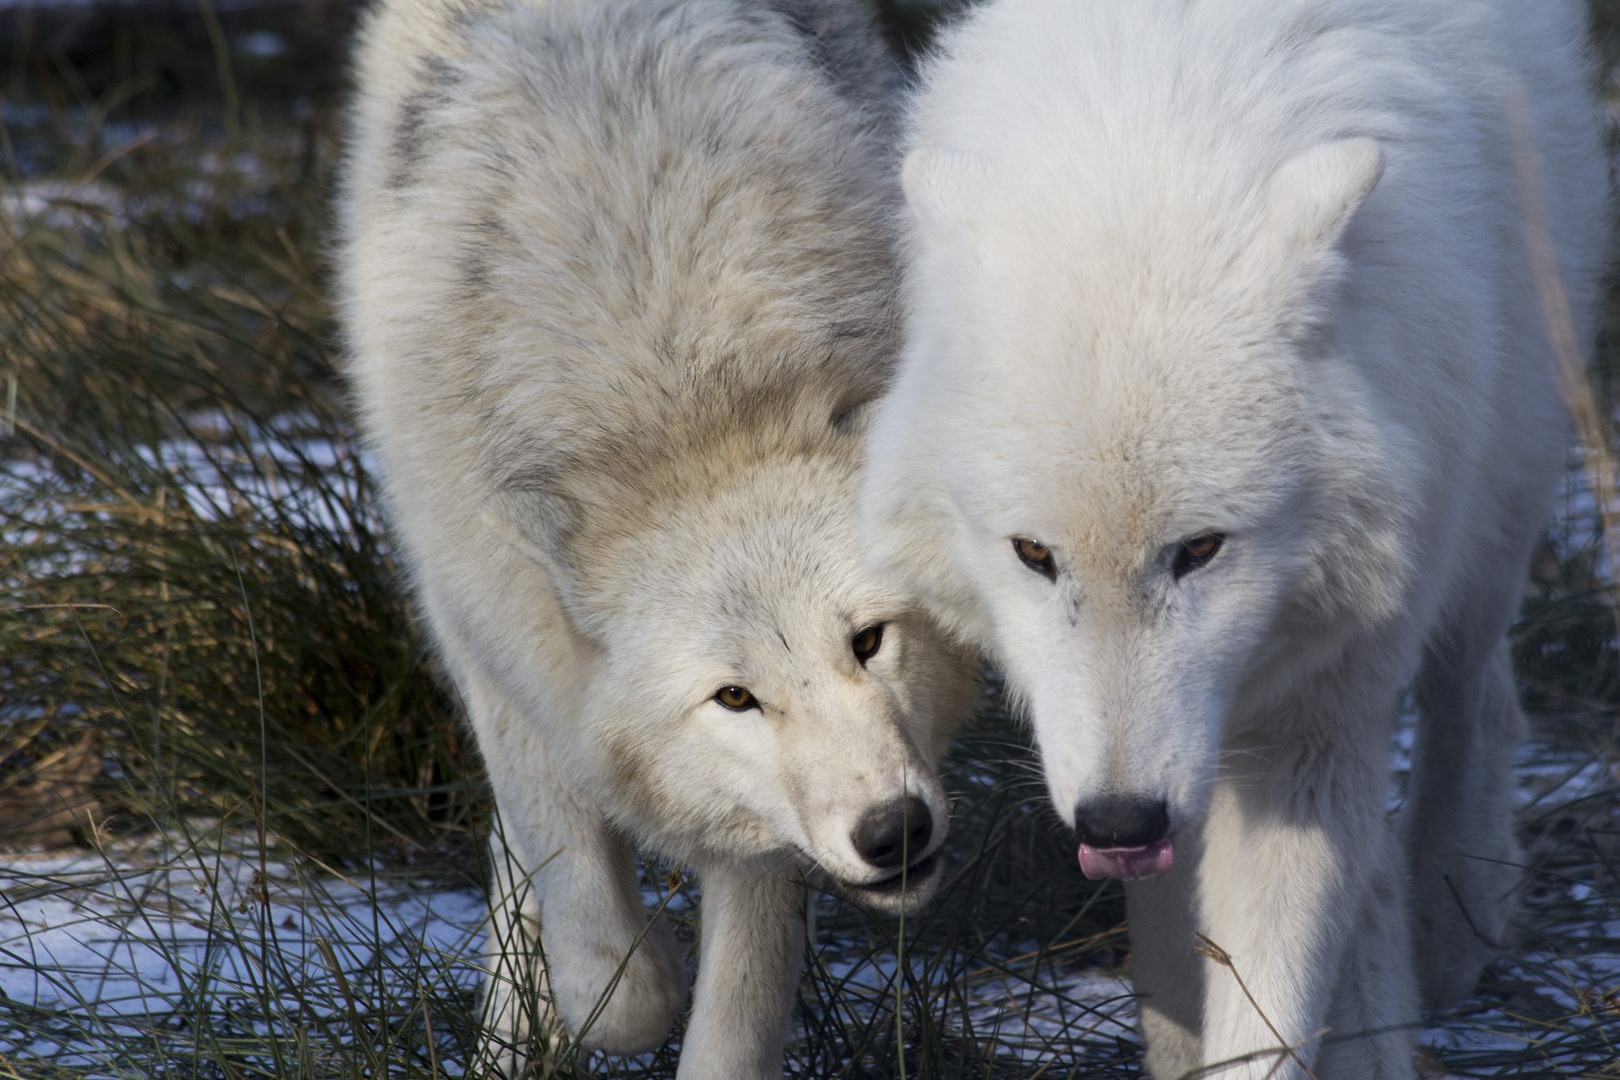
(534, 523)
(913, 548)
(912, 528)
(1313, 196)
(937, 183)
(853, 418)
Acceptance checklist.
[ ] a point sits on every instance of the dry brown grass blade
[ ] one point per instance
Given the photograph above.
(427, 1024)
(56, 798)
(1591, 427)
(1211, 951)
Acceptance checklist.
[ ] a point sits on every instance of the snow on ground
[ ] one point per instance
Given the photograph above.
(73, 936)
(138, 932)
(133, 931)
(71, 932)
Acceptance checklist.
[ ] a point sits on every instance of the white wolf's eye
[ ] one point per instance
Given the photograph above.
(736, 698)
(867, 642)
(1036, 555)
(1194, 553)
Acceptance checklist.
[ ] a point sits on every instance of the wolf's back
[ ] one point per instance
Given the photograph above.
(605, 231)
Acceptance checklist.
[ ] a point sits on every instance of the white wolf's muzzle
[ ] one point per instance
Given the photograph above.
(1124, 836)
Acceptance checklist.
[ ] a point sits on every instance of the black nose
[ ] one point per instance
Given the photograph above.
(1121, 821)
(894, 833)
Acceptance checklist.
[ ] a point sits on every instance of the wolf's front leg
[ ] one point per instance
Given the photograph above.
(562, 868)
(1165, 971)
(748, 970)
(1295, 841)
(1465, 862)
(1376, 991)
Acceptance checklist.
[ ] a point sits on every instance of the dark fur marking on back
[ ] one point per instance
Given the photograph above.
(840, 47)
(794, 13)
(411, 135)
(474, 276)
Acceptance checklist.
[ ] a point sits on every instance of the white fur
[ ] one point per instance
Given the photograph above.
(617, 281)
(1255, 267)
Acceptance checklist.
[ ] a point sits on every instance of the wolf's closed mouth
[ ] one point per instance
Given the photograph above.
(911, 876)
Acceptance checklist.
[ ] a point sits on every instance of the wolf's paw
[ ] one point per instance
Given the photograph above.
(1172, 1050)
(643, 1004)
(1450, 961)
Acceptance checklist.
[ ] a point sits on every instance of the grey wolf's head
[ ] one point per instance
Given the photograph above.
(754, 690)
(1116, 460)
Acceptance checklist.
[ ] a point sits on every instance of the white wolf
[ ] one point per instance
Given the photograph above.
(1228, 408)
(617, 280)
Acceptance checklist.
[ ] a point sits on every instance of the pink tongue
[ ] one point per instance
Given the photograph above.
(1127, 863)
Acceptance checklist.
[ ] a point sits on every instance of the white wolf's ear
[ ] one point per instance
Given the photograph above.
(937, 183)
(534, 522)
(1313, 196)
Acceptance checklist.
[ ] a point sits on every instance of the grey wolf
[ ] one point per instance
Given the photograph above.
(618, 283)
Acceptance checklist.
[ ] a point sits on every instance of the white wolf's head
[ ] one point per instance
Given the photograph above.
(754, 689)
(1112, 461)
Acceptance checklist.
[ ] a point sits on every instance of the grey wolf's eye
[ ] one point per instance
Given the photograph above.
(867, 642)
(736, 698)
(1195, 553)
(1036, 555)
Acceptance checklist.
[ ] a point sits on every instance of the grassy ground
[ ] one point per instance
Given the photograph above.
(216, 709)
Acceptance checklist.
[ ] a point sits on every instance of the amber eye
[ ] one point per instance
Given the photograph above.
(736, 698)
(1036, 555)
(1194, 553)
(867, 642)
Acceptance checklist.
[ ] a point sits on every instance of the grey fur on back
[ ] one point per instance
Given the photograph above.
(493, 142)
